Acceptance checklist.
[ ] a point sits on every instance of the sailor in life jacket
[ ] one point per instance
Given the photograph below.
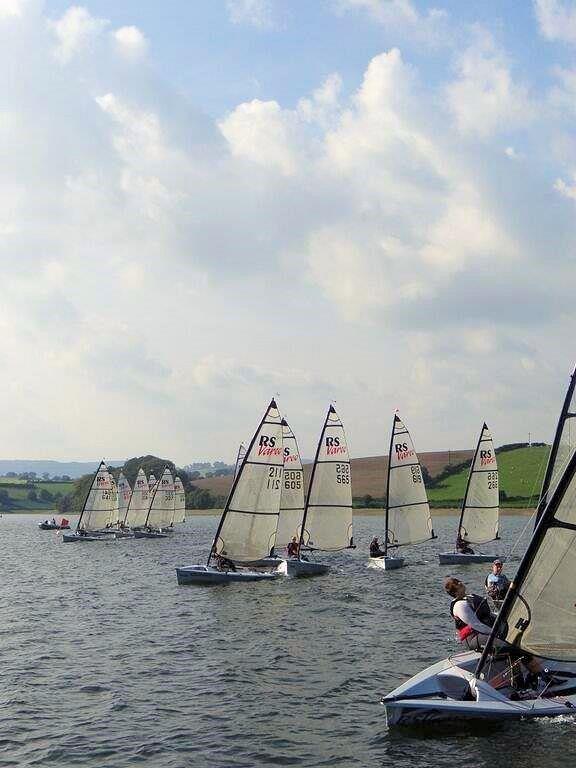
(471, 613)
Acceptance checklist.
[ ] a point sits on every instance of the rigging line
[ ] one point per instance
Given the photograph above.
(537, 482)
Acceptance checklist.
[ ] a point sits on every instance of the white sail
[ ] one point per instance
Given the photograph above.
(479, 517)
(328, 514)
(408, 513)
(538, 614)
(152, 482)
(179, 502)
(248, 525)
(124, 494)
(101, 501)
(239, 458)
(292, 496)
(139, 504)
(162, 502)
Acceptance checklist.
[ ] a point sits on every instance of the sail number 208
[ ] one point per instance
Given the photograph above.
(343, 474)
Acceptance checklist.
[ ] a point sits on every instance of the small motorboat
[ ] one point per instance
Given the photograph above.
(54, 525)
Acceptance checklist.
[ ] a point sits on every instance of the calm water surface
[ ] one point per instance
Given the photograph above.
(106, 661)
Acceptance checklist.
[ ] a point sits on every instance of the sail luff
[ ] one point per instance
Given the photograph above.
(239, 457)
(551, 468)
(311, 480)
(388, 484)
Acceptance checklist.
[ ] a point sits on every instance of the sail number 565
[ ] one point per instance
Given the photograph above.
(343, 474)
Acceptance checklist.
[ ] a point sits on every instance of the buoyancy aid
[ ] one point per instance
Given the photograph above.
(482, 610)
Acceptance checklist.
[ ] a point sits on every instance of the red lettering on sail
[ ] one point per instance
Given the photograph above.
(403, 455)
(333, 449)
(266, 450)
(290, 457)
(487, 460)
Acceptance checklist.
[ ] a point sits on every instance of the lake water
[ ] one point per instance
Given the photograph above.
(106, 661)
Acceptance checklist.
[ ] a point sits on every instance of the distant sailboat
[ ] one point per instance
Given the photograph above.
(152, 482)
(99, 507)
(408, 518)
(139, 503)
(479, 516)
(179, 502)
(327, 520)
(161, 511)
(247, 529)
(239, 458)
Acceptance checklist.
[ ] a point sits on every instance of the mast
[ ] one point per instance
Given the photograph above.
(94, 476)
(484, 426)
(547, 522)
(388, 481)
(156, 486)
(564, 416)
(331, 409)
(237, 478)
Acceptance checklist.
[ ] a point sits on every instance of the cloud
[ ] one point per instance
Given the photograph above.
(253, 13)
(556, 20)
(484, 99)
(75, 31)
(11, 8)
(130, 43)
(401, 16)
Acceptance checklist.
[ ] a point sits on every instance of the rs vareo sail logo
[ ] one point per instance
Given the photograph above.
(267, 446)
(403, 452)
(333, 446)
(486, 458)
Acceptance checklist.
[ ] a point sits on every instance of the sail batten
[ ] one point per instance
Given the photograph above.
(327, 522)
(408, 519)
(247, 528)
(479, 515)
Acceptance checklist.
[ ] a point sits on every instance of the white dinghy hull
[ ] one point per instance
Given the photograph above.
(302, 568)
(386, 563)
(69, 538)
(457, 558)
(204, 574)
(264, 562)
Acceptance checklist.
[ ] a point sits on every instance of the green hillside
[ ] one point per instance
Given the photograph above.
(520, 476)
(18, 495)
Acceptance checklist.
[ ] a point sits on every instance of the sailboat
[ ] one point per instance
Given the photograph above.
(537, 618)
(563, 446)
(239, 457)
(179, 502)
(327, 521)
(480, 506)
(292, 496)
(161, 510)
(408, 519)
(139, 504)
(99, 509)
(124, 493)
(247, 528)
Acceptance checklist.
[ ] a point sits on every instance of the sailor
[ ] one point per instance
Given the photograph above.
(292, 548)
(375, 550)
(224, 564)
(471, 613)
(496, 582)
(463, 546)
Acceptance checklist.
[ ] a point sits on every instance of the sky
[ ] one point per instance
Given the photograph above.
(207, 204)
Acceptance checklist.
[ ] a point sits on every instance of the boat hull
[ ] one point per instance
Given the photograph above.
(302, 568)
(150, 535)
(70, 538)
(449, 691)
(50, 527)
(204, 574)
(457, 558)
(386, 563)
(263, 562)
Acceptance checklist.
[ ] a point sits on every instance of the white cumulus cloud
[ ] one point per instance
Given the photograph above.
(74, 31)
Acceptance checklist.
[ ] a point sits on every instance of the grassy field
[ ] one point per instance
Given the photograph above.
(19, 501)
(520, 477)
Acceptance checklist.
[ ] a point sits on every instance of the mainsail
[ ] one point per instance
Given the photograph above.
(248, 524)
(327, 520)
(479, 516)
(139, 505)
(408, 519)
(124, 494)
(292, 496)
(162, 503)
(179, 502)
(538, 614)
(563, 446)
(101, 502)
(151, 482)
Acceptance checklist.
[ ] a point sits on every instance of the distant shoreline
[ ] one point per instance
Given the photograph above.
(360, 511)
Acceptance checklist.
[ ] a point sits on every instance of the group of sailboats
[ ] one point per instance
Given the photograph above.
(266, 510)
(535, 627)
(407, 511)
(115, 510)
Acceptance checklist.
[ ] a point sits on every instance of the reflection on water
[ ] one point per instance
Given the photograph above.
(106, 661)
